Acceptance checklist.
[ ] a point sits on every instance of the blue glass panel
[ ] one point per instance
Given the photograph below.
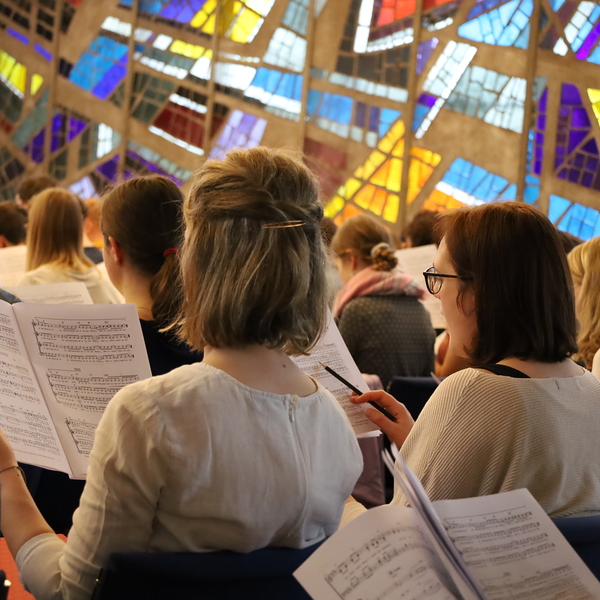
(182, 11)
(110, 81)
(313, 100)
(360, 116)
(18, 35)
(43, 52)
(557, 207)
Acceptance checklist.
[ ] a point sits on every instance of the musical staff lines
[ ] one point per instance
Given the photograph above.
(83, 434)
(81, 391)
(28, 429)
(83, 340)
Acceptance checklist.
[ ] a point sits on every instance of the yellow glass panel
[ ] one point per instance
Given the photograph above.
(262, 7)
(209, 26)
(18, 76)
(7, 62)
(189, 50)
(392, 207)
(394, 175)
(202, 15)
(378, 202)
(594, 96)
(375, 160)
(352, 186)
(418, 174)
(349, 211)
(364, 196)
(36, 82)
(427, 156)
(244, 25)
(381, 175)
(439, 201)
(399, 149)
(334, 207)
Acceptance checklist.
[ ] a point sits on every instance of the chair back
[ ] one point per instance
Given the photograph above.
(413, 392)
(266, 573)
(583, 533)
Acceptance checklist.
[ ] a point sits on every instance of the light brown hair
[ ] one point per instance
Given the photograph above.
(362, 234)
(144, 216)
(30, 186)
(511, 256)
(55, 231)
(584, 262)
(253, 263)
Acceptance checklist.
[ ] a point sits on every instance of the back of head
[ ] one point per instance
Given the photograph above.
(30, 186)
(420, 231)
(13, 221)
(369, 239)
(584, 262)
(253, 262)
(144, 216)
(55, 230)
(511, 256)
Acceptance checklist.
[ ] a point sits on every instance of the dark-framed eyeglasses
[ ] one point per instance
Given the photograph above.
(434, 280)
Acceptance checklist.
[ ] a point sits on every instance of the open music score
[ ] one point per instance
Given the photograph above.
(332, 351)
(497, 547)
(65, 364)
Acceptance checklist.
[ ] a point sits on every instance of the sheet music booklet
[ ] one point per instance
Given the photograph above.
(497, 547)
(59, 367)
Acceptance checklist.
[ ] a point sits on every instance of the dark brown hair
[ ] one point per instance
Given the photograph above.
(369, 238)
(253, 262)
(421, 229)
(144, 216)
(514, 262)
(13, 219)
(30, 186)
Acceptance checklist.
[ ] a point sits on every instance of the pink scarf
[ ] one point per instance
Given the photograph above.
(369, 282)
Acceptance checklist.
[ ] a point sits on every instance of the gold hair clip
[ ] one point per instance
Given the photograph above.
(283, 224)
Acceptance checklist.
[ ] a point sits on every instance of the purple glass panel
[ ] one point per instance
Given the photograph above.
(589, 43)
(575, 138)
(587, 180)
(182, 11)
(57, 130)
(574, 175)
(591, 147)
(592, 164)
(112, 78)
(109, 168)
(541, 122)
(537, 168)
(579, 118)
(570, 95)
(424, 53)
(562, 174)
(373, 118)
(427, 100)
(247, 122)
(539, 138)
(578, 160)
(360, 114)
(76, 126)
(543, 103)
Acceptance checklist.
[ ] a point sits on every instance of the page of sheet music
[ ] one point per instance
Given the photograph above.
(72, 292)
(514, 550)
(12, 264)
(82, 355)
(333, 352)
(415, 261)
(382, 555)
(24, 416)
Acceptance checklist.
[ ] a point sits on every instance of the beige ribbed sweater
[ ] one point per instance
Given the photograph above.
(481, 434)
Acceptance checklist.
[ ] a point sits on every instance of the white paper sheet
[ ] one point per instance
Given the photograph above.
(415, 261)
(74, 292)
(333, 352)
(82, 355)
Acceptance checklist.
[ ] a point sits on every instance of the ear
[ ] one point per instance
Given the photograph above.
(115, 249)
(353, 260)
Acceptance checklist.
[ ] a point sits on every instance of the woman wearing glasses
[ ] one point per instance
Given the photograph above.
(527, 416)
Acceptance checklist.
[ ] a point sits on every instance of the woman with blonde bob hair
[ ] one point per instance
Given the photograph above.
(584, 262)
(526, 415)
(55, 246)
(240, 451)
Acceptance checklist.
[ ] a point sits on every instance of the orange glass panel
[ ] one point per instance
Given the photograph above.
(364, 196)
(378, 202)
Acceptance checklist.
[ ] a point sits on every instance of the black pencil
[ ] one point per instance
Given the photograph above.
(357, 391)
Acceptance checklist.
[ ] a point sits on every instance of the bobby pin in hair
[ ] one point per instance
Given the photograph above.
(283, 224)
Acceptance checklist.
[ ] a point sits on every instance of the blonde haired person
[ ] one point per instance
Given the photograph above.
(238, 452)
(584, 263)
(55, 246)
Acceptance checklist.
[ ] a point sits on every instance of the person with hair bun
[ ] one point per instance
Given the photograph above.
(240, 451)
(584, 262)
(55, 246)
(387, 330)
(526, 415)
(142, 225)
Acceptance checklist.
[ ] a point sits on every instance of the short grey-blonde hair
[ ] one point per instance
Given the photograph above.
(253, 263)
